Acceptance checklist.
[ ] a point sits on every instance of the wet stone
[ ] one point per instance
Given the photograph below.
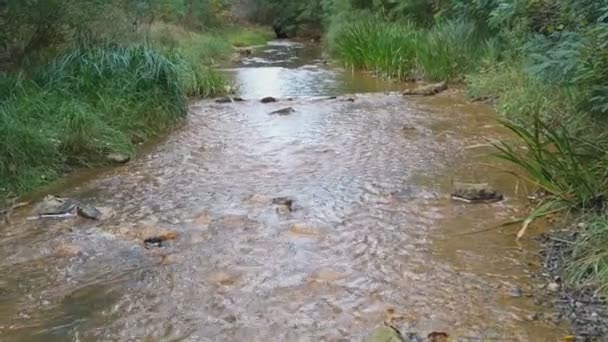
(268, 99)
(475, 193)
(553, 287)
(52, 205)
(285, 202)
(88, 212)
(438, 337)
(408, 128)
(159, 240)
(283, 111)
(228, 99)
(68, 250)
(118, 158)
(516, 292)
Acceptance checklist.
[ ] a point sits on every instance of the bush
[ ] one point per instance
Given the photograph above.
(87, 104)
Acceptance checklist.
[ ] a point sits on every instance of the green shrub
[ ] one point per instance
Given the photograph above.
(87, 104)
(569, 168)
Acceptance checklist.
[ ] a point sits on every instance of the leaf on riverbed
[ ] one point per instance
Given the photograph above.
(438, 337)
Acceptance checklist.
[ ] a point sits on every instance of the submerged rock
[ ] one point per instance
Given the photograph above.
(283, 111)
(553, 287)
(384, 334)
(516, 292)
(475, 193)
(89, 212)
(244, 51)
(268, 99)
(427, 90)
(437, 336)
(118, 158)
(68, 250)
(159, 240)
(285, 202)
(53, 205)
(228, 99)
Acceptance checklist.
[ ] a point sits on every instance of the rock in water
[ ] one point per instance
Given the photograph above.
(268, 99)
(283, 111)
(428, 90)
(89, 212)
(159, 240)
(52, 205)
(284, 201)
(118, 158)
(228, 99)
(384, 334)
(244, 51)
(475, 193)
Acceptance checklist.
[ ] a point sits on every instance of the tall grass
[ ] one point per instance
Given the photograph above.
(446, 51)
(87, 104)
(571, 169)
(387, 49)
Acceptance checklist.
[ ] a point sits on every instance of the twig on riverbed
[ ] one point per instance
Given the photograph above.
(5, 214)
(506, 224)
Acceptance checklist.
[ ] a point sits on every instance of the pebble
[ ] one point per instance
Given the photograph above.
(118, 158)
(268, 99)
(88, 212)
(516, 292)
(553, 287)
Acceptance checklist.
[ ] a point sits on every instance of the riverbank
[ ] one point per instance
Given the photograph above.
(93, 105)
(561, 150)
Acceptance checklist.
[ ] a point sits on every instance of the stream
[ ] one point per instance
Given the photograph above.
(305, 227)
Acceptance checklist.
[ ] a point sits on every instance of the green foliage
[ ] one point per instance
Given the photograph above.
(570, 169)
(401, 50)
(450, 50)
(87, 104)
(387, 49)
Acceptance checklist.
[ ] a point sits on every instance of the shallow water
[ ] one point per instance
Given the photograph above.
(372, 226)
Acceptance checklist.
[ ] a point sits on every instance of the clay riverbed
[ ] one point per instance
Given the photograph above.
(372, 227)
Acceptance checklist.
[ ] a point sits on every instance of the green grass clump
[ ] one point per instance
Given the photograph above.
(87, 104)
(387, 49)
(570, 168)
(446, 51)
(449, 51)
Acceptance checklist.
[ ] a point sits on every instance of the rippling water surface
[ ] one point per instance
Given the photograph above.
(372, 226)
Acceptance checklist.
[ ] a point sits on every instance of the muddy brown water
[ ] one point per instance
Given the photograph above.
(372, 228)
